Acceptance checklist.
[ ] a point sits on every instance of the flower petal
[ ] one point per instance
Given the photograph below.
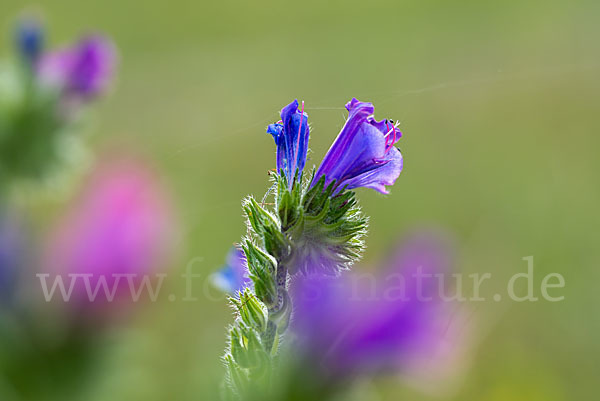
(291, 137)
(383, 174)
(363, 154)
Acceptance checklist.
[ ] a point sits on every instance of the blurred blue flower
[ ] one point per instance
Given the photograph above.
(363, 325)
(233, 276)
(363, 154)
(291, 137)
(29, 40)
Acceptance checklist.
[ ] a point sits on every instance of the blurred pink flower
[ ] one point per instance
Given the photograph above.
(122, 224)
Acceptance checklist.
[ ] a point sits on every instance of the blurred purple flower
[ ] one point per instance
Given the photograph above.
(82, 71)
(233, 276)
(11, 255)
(351, 326)
(123, 224)
(363, 154)
(291, 137)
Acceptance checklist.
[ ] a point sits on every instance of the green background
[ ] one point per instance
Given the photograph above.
(498, 103)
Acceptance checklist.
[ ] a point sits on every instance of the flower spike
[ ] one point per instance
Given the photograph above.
(314, 227)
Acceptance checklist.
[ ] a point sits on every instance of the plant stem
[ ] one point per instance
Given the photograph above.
(275, 311)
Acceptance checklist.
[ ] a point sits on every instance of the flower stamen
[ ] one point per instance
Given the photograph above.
(387, 136)
(298, 140)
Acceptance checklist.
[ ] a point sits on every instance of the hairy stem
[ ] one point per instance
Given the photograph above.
(276, 310)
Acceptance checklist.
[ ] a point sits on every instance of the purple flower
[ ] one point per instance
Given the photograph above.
(233, 276)
(122, 224)
(291, 137)
(83, 71)
(370, 324)
(363, 154)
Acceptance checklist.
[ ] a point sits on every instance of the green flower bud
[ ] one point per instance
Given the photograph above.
(246, 346)
(237, 378)
(252, 312)
(262, 268)
(266, 227)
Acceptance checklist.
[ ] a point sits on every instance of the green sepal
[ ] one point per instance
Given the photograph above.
(262, 268)
(252, 312)
(237, 377)
(246, 346)
(315, 198)
(267, 228)
(288, 203)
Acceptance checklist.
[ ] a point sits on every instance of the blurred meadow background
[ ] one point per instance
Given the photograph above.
(498, 104)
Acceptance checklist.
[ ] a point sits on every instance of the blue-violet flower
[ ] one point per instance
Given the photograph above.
(363, 154)
(233, 276)
(291, 137)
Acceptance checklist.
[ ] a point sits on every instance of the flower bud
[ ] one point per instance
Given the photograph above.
(246, 347)
(265, 225)
(262, 268)
(251, 310)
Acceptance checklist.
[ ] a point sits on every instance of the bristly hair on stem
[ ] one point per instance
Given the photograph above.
(306, 228)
